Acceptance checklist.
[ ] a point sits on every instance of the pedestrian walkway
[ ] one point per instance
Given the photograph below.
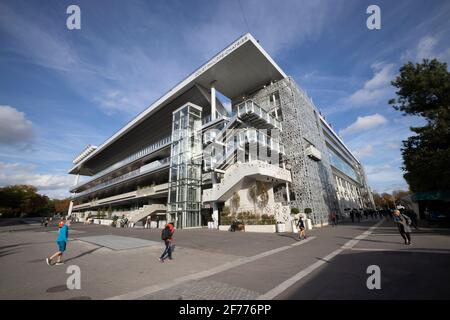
(118, 242)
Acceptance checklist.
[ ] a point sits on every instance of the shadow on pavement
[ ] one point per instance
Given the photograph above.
(56, 289)
(82, 254)
(404, 275)
(293, 236)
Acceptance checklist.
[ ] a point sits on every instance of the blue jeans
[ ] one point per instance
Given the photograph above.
(168, 251)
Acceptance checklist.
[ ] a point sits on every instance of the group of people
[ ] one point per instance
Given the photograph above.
(63, 236)
(357, 214)
(402, 220)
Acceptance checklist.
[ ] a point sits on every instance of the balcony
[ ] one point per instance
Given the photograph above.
(153, 166)
(257, 116)
(313, 153)
(138, 155)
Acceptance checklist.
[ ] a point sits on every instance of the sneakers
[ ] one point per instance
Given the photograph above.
(59, 263)
(48, 261)
(161, 260)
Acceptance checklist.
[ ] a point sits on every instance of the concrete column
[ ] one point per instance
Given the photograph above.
(213, 102)
(215, 215)
(77, 178)
(69, 212)
(288, 196)
(215, 207)
(274, 104)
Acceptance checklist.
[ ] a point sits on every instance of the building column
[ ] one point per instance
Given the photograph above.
(274, 105)
(213, 101)
(77, 178)
(288, 196)
(215, 207)
(69, 212)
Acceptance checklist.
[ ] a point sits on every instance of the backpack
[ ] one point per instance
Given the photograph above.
(166, 234)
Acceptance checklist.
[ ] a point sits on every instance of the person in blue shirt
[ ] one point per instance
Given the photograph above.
(61, 241)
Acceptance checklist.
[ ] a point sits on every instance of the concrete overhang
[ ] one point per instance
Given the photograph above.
(238, 69)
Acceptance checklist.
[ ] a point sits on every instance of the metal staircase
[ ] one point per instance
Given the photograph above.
(237, 172)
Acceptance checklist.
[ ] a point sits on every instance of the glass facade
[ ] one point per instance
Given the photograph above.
(343, 166)
(184, 201)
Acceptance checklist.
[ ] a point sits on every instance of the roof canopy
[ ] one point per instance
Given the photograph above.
(238, 69)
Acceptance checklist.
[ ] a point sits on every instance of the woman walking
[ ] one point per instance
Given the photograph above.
(301, 229)
(403, 223)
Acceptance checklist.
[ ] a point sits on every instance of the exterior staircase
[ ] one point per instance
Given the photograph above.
(237, 172)
(145, 211)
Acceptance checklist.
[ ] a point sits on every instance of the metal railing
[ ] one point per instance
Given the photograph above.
(158, 164)
(249, 106)
(208, 118)
(141, 153)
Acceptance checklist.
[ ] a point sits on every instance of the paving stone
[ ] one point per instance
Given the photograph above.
(203, 290)
(118, 242)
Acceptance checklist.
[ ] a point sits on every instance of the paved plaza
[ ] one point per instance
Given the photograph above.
(209, 264)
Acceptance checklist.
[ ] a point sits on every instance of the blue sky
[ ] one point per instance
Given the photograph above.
(61, 90)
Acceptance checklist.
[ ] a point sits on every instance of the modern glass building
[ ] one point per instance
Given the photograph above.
(190, 155)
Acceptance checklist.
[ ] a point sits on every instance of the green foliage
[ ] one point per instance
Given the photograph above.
(295, 211)
(23, 200)
(259, 195)
(423, 90)
(225, 211)
(308, 210)
(225, 218)
(253, 194)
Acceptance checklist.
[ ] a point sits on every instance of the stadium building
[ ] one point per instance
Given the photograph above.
(237, 135)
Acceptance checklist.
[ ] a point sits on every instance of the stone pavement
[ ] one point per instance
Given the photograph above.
(210, 264)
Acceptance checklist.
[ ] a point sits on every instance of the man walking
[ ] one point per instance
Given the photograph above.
(403, 223)
(167, 237)
(333, 219)
(61, 241)
(352, 215)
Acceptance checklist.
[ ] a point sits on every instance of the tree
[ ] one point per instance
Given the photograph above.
(399, 194)
(424, 90)
(388, 200)
(18, 200)
(253, 194)
(263, 195)
(61, 206)
(235, 202)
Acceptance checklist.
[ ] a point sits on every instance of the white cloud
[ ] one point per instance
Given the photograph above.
(364, 123)
(49, 184)
(376, 89)
(385, 178)
(364, 151)
(427, 48)
(277, 30)
(15, 128)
